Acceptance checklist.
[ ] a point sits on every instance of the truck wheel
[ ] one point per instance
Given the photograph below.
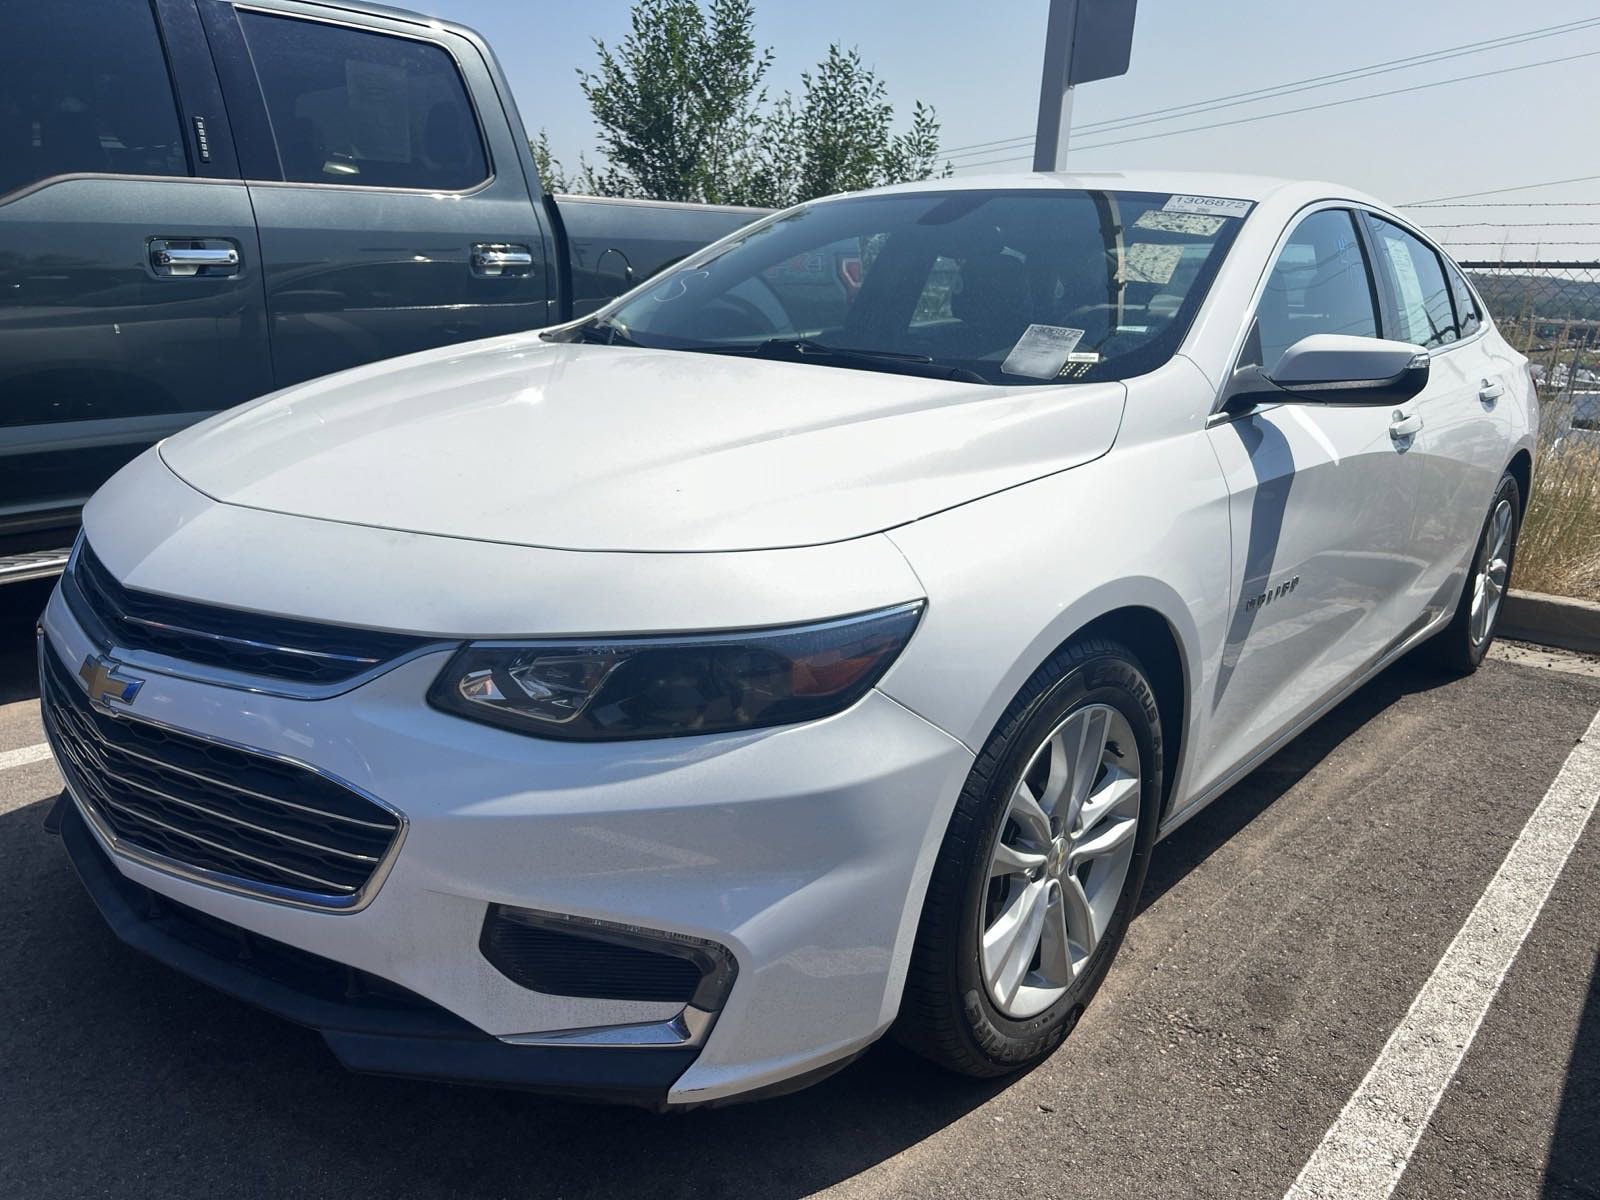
(1041, 867)
(1461, 645)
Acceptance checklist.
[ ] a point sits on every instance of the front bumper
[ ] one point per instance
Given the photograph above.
(369, 1025)
(804, 851)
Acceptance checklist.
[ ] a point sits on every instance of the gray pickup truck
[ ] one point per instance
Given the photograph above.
(202, 201)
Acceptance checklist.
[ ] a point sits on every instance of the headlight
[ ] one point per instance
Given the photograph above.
(604, 689)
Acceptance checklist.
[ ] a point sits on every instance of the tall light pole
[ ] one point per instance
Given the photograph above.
(1084, 41)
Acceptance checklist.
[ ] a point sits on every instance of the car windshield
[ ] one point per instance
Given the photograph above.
(1001, 287)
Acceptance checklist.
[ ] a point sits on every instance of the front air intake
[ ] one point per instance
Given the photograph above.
(575, 956)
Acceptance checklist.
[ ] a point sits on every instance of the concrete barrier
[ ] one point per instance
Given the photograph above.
(1551, 621)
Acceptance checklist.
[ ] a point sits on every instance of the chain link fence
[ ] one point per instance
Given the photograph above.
(1551, 312)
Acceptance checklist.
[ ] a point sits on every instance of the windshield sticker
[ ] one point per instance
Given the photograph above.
(1150, 262)
(1042, 351)
(1209, 206)
(1172, 222)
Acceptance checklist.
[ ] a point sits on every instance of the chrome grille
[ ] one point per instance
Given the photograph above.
(248, 821)
(304, 652)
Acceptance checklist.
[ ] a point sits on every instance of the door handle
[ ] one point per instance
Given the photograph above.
(180, 260)
(1491, 391)
(1402, 428)
(499, 258)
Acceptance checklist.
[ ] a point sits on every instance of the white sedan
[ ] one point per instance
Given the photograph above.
(814, 643)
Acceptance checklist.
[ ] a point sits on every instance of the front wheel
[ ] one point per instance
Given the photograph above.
(1462, 644)
(1041, 868)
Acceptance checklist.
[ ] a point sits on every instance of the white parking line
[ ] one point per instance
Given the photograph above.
(1366, 1150)
(21, 758)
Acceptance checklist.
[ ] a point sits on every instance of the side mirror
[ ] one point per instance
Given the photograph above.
(1334, 368)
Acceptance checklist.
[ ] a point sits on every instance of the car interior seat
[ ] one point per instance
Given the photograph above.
(993, 304)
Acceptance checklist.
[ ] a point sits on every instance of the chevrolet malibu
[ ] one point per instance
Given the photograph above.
(814, 643)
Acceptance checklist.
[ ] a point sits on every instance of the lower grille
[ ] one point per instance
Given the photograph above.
(253, 823)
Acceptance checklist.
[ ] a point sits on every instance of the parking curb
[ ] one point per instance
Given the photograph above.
(1558, 621)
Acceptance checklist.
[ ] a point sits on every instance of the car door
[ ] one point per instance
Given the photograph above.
(1459, 446)
(1321, 497)
(394, 214)
(131, 301)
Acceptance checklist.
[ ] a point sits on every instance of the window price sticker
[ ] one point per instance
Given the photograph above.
(1151, 262)
(1206, 206)
(1164, 222)
(1042, 351)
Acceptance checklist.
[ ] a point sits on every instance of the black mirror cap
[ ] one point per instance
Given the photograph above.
(1396, 389)
(1252, 387)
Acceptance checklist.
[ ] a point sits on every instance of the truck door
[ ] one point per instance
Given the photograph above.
(130, 290)
(393, 210)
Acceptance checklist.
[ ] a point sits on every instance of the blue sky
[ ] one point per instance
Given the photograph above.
(978, 65)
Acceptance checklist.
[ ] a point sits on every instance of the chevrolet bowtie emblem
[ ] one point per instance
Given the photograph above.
(103, 678)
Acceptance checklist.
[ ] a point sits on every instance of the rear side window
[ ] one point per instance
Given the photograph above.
(349, 106)
(1468, 317)
(1320, 284)
(1416, 278)
(84, 88)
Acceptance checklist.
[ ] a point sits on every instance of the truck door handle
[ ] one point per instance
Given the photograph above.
(1491, 391)
(499, 258)
(188, 260)
(1402, 428)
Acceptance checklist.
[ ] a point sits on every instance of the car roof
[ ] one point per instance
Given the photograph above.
(1257, 188)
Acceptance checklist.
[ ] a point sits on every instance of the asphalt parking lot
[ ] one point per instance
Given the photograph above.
(1284, 935)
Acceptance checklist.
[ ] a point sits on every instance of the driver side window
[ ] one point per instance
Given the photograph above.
(1321, 283)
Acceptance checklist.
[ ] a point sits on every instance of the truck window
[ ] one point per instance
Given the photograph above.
(84, 88)
(354, 107)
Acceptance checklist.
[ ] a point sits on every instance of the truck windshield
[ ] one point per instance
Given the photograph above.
(999, 287)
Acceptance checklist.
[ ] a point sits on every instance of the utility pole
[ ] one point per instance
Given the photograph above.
(1085, 40)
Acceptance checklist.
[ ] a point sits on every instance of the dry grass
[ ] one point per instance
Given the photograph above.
(1558, 550)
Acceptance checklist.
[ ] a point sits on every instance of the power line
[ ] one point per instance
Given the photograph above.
(1419, 87)
(1512, 224)
(1282, 89)
(1522, 187)
(1513, 203)
(1524, 242)
(1233, 99)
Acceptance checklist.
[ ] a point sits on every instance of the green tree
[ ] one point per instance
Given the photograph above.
(676, 100)
(845, 140)
(683, 115)
(552, 176)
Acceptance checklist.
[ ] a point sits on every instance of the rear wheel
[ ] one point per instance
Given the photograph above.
(1041, 867)
(1461, 646)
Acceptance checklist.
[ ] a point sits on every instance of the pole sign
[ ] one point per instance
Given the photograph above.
(1085, 40)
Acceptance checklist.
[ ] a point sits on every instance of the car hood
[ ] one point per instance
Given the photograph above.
(587, 447)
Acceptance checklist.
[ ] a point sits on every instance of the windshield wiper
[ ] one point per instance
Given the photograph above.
(808, 350)
(596, 331)
(809, 347)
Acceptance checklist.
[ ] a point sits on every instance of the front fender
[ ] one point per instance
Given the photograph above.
(1012, 577)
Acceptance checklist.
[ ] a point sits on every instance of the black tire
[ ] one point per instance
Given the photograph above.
(947, 1014)
(1453, 648)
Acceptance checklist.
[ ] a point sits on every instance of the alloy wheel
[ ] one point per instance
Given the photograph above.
(1489, 587)
(1060, 860)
